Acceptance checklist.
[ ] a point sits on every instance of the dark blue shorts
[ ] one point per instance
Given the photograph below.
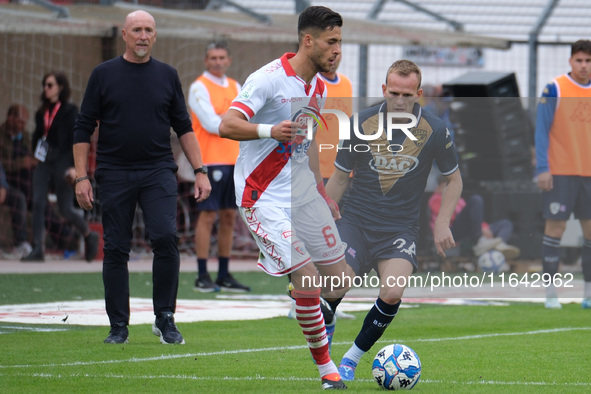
(222, 194)
(570, 194)
(365, 247)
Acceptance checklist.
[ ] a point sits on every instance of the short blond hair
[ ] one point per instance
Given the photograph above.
(405, 68)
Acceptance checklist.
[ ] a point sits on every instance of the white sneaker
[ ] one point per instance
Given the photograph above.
(552, 303)
(24, 249)
(509, 251)
(344, 315)
(485, 244)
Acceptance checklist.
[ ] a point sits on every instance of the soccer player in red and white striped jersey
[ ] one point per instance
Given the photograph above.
(279, 189)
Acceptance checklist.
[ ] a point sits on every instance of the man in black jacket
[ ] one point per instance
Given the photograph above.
(136, 100)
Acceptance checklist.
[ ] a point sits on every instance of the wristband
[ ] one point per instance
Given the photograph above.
(322, 190)
(264, 130)
(334, 207)
(78, 180)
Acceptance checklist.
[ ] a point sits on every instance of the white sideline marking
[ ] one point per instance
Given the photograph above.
(34, 329)
(503, 334)
(292, 379)
(243, 307)
(238, 351)
(92, 312)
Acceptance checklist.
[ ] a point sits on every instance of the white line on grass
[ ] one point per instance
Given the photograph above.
(268, 349)
(159, 358)
(291, 379)
(34, 329)
(503, 334)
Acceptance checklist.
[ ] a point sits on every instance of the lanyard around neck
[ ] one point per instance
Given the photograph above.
(48, 117)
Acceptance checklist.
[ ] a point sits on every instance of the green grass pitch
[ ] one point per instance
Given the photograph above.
(473, 349)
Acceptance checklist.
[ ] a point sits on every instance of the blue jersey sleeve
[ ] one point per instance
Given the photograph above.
(445, 155)
(544, 118)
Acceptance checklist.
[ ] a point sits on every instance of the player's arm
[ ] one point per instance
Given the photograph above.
(235, 126)
(450, 196)
(192, 150)
(84, 193)
(200, 103)
(337, 184)
(84, 127)
(314, 162)
(544, 118)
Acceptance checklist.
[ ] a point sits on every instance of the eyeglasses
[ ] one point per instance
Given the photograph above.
(48, 85)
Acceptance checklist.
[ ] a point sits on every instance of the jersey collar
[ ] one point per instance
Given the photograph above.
(286, 66)
(290, 72)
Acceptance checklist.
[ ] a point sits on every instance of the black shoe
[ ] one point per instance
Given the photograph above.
(36, 255)
(91, 243)
(118, 334)
(327, 311)
(231, 284)
(204, 284)
(328, 384)
(165, 328)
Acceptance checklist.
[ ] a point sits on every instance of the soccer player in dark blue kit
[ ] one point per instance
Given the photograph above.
(136, 100)
(380, 215)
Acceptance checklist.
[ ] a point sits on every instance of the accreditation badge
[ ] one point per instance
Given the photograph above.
(41, 150)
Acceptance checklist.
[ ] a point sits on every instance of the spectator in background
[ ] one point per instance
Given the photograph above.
(467, 224)
(18, 162)
(563, 164)
(15, 150)
(14, 199)
(210, 97)
(52, 146)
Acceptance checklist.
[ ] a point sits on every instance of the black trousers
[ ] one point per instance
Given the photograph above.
(17, 203)
(47, 174)
(119, 192)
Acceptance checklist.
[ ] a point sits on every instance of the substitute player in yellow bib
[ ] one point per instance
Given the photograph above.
(209, 98)
(563, 164)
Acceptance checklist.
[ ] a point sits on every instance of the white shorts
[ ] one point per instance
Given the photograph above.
(289, 238)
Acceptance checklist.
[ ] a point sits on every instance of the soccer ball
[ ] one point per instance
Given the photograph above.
(492, 261)
(396, 367)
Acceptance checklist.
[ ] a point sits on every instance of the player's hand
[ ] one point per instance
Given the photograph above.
(202, 187)
(84, 194)
(334, 207)
(443, 238)
(545, 181)
(284, 131)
